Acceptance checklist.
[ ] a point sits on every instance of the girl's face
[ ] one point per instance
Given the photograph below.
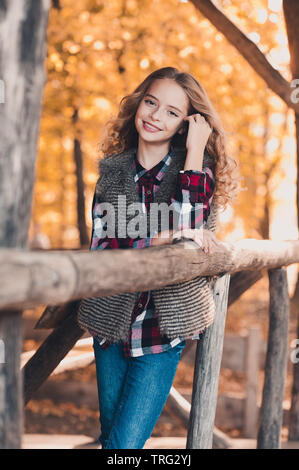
(160, 113)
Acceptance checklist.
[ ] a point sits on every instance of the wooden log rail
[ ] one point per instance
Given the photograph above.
(60, 277)
(31, 278)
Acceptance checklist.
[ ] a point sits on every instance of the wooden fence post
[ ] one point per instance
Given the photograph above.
(252, 374)
(276, 358)
(11, 403)
(206, 373)
(22, 72)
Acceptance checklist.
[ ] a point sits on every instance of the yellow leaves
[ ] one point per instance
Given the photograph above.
(71, 47)
(144, 63)
(91, 45)
(226, 69)
(207, 44)
(57, 62)
(84, 16)
(91, 178)
(74, 49)
(67, 143)
(46, 407)
(254, 36)
(88, 38)
(102, 103)
(116, 44)
(68, 111)
(54, 58)
(98, 45)
(126, 35)
(261, 15)
(186, 51)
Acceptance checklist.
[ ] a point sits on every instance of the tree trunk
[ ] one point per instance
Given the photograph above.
(84, 237)
(22, 54)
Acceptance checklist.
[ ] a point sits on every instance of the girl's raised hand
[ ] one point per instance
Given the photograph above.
(204, 238)
(199, 131)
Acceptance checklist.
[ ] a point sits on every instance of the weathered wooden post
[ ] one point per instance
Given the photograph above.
(252, 369)
(22, 53)
(276, 358)
(206, 373)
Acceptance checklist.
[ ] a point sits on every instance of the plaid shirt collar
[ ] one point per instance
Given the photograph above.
(156, 172)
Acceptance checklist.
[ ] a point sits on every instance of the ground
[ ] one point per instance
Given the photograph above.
(45, 415)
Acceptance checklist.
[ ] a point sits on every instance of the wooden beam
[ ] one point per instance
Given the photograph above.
(53, 315)
(249, 50)
(70, 362)
(22, 73)
(33, 278)
(42, 364)
(240, 282)
(276, 359)
(206, 373)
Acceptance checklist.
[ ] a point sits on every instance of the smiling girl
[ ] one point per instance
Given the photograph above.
(165, 146)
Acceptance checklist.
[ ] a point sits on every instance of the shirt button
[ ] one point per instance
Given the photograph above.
(140, 305)
(149, 192)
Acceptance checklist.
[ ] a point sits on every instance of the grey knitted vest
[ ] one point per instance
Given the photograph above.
(185, 308)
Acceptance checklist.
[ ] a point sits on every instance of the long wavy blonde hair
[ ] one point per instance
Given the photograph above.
(119, 133)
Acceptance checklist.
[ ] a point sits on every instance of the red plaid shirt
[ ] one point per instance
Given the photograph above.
(192, 187)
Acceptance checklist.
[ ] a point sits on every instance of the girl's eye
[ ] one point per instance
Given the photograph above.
(152, 102)
(149, 101)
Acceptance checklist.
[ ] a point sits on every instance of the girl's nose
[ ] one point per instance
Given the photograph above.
(156, 114)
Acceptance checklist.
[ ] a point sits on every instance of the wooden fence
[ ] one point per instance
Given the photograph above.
(62, 278)
(29, 279)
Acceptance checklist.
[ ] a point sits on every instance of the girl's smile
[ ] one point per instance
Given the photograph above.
(150, 127)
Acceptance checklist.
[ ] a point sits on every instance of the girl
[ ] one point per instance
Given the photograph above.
(166, 145)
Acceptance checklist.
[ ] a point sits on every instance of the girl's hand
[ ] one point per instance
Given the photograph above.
(199, 131)
(206, 239)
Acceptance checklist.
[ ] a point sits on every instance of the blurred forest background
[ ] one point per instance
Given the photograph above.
(100, 51)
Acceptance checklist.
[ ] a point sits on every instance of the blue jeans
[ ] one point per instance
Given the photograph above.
(132, 393)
